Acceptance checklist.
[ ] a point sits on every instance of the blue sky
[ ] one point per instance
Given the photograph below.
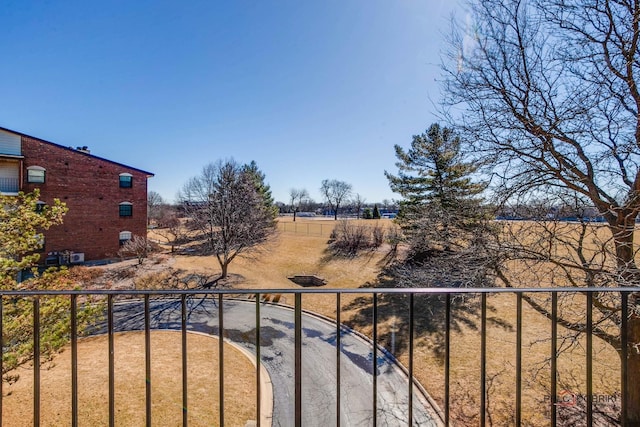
(310, 90)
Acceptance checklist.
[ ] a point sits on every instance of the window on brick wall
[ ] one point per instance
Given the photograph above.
(126, 209)
(124, 237)
(126, 180)
(36, 174)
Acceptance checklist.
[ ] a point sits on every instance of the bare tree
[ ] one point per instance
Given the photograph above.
(154, 206)
(548, 90)
(227, 211)
(137, 246)
(358, 202)
(335, 192)
(171, 227)
(297, 197)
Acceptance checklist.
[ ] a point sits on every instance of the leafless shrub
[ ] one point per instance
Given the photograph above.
(377, 236)
(348, 239)
(84, 275)
(394, 237)
(136, 246)
(171, 228)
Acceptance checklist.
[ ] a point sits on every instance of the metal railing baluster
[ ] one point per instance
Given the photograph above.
(518, 411)
(183, 331)
(554, 358)
(483, 362)
(624, 350)
(410, 391)
(589, 351)
(298, 358)
(112, 391)
(74, 360)
(258, 362)
(1, 355)
(147, 359)
(375, 359)
(447, 358)
(221, 360)
(338, 351)
(36, 361)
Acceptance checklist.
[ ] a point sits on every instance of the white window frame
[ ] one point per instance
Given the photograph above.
(125, 175)
(31, 169)
(124, 236)
(125, 204)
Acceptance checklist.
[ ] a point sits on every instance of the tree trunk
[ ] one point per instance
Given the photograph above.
(624, 243)
(225, 268)
(294, 215)
(623, 235)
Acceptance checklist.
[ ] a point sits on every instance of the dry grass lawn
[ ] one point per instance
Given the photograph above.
(166, 384)
(291, 253)
(300, 248)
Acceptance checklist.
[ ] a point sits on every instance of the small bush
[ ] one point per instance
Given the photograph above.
(84, 275)
(136, 246)
(377, 236)
(395, 237)
(348, 239)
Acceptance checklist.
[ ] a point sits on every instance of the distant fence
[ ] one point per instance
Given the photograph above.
(323, 228)
(307, 228)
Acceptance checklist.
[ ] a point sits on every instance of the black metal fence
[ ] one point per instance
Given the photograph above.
(143, 306)
(324, 228)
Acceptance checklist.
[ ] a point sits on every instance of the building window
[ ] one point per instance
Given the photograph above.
(124, 237)
(35, 174)
(126, 180)
(126, 209)
(40, 205)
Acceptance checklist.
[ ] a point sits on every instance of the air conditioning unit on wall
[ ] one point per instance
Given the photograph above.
(76, 257)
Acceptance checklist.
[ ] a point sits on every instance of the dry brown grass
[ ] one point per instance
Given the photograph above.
(303, 252)
(292, 253)
(166, 383)
(300, 248)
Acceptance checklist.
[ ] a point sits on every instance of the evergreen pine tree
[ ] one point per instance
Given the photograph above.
(261, 187)
(440, 209)
(376, 212)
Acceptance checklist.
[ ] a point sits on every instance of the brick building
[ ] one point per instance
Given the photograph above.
(107, 201)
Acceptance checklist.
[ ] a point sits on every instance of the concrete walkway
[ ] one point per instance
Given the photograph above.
(319, 384)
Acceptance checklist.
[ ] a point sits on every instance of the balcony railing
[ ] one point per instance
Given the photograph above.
(9, 185)
(218, 312)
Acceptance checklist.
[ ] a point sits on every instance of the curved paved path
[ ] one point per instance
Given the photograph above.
(318, 361)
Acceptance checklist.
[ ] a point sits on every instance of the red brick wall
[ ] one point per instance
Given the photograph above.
(90, 188)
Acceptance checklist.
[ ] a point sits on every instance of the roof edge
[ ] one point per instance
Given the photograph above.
(71, 149)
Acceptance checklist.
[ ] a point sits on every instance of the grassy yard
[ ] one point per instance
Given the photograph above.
(166, 384)
(300, 248)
